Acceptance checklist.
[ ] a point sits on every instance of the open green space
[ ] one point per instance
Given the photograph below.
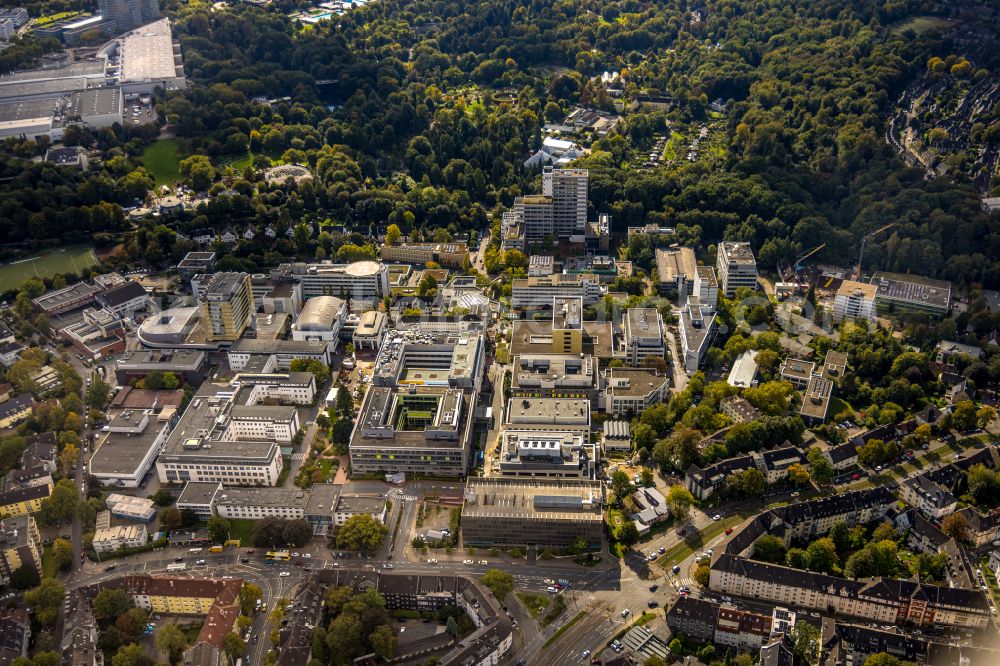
(66, 260)
(242, 529)
(535, 603)
(162, 161)
(920, 24)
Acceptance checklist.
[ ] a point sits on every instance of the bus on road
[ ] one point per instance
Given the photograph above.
(177, 566)
(282, 555)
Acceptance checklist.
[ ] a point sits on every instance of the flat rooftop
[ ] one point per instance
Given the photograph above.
(635, 382)
(567, 313)
(816, 398)
(58, 298)
(360, 504)
(30, 109)
(535, 337)
(122, 453)
(203, 424)
(292, 498)
(738, 252)
(442, 411)
(530, 499)
(168, 359)
(913, 289)
(534, 410)
(672, 263)
(852, 288)
(258, 346)
(199, 492)
(147, 53)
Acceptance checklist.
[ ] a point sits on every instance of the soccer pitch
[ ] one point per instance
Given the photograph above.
(66, 260)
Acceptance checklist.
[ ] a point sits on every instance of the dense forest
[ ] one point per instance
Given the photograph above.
(393, 107)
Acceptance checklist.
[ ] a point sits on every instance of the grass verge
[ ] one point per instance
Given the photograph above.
(554, 637)
(535, 603)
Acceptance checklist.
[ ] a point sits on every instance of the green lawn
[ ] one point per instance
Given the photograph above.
(48, 563)
(67, 260)
(162, 160)
(242, 529)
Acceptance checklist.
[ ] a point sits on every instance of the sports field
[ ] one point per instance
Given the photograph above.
(46, 264)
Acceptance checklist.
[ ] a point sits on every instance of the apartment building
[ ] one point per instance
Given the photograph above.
(20, 546)
(883, 600)
(227, 306)
(24, 501)
(529, 512)
(15, 410)
(928, 497)
(630, 391)
(773, 464)
(568, 191)
(739, 410)
(643, 335)
(854, 300)
(175, 595)
(736, 267)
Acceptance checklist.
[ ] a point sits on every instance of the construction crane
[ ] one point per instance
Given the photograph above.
(861, 253)
(806, 255)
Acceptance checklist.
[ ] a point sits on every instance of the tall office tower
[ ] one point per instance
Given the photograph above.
(124, 15)
(568, 190)
(227, 305)
(737, 267)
